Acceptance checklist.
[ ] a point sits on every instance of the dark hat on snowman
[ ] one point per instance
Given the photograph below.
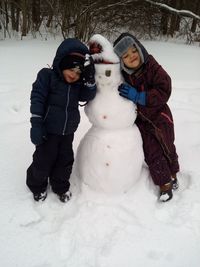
(72, 61)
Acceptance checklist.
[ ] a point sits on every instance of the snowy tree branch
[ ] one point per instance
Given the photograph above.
(186, 13)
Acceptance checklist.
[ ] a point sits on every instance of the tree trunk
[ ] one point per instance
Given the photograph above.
(194, 26)
(36, 14)
(24, 17)
(17, 19)
(194, 22)
(175, 20)
(164, 22)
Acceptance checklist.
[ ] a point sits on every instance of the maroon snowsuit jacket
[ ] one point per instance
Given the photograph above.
(155, 120)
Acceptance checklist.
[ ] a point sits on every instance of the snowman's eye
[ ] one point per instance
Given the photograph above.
(108, 73)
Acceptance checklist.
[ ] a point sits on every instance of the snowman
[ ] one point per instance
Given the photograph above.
(110, 155)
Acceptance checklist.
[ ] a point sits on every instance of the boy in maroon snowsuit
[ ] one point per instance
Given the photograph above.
(148, 85)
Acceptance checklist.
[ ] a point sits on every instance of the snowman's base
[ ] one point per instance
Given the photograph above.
(110, 161)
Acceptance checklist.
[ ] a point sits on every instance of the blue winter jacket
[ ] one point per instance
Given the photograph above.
(56, 101)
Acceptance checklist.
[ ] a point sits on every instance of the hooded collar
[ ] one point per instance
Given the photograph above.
(68, 46)
(122, 43)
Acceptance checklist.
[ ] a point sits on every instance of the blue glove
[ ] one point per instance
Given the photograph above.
(37, 133)
(132, 94)
(89, 72)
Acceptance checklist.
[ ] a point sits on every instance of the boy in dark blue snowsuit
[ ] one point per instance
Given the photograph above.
(55, 117)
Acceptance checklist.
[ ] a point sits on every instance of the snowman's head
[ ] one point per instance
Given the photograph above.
(102, 50)
(107, 63)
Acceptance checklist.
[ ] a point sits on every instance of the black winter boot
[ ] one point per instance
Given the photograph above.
(65, 197)
(40, 196)
(166, 192)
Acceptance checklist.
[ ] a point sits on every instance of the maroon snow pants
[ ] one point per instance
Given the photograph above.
(162, 160)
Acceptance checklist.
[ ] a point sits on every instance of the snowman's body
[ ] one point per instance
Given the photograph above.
(110, 156)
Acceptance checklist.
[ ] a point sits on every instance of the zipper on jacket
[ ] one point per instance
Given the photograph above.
(66, 118)
(46, 113)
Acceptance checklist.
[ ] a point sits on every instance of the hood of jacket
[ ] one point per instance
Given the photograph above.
(68, 46)
(122, 43)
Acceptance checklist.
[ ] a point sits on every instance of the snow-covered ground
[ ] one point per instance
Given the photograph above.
(94, 230)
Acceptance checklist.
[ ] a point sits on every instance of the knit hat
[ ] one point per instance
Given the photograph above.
(72, 61)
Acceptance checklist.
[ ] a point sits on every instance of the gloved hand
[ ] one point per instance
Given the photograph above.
(89, 72)
(132, 94)
(37, 133)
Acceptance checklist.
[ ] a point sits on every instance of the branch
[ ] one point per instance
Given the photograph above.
(186, 13)
(3, 11)
(119, 3)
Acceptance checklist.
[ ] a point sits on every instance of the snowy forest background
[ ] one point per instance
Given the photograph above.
(82, 18)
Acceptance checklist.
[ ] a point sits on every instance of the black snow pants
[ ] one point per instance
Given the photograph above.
(53, 161)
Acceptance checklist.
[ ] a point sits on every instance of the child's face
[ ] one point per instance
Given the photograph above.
(131, 58)
(71, 75)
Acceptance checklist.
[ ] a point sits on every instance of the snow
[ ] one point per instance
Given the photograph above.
(94, 229)
(108, 110)
(107, 53)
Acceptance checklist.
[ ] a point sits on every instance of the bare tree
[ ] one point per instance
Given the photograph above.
(82, 18)
(4, 17)
(36, 17)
